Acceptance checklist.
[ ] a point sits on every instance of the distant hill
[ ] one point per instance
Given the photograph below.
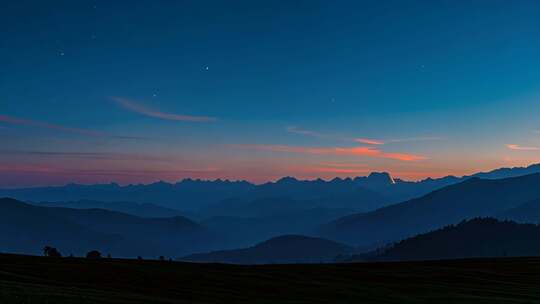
(26, 228)
(282, 250)
(479, 237)
(137, 209)
(472, 198)
(241, 231)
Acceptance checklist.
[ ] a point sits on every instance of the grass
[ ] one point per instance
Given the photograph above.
(28, 279)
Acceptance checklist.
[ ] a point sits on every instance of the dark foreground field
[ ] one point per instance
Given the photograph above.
(26, 279)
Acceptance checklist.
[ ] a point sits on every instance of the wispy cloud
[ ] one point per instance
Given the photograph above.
(369, 141)
(40, 124)
(363, 140)
(86, 155)
(522, 148)
(339, 168)
(412, 139)
(351, 151)
(305, 132)
(145, 110)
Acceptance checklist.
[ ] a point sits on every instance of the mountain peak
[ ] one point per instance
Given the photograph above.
(381, 177)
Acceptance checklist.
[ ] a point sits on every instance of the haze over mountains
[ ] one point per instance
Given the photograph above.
(26, 228)
(472, 198)
(359, 193)
(191, 216)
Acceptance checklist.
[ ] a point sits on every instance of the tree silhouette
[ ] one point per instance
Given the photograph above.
(94, 254)
(51, 252)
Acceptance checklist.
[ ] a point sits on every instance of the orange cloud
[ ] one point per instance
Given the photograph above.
(353, 151)
(144, 110)
(369, 141)
(522, 148)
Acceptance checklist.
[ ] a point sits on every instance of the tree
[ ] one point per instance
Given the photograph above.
(94, 254)
(51, 252)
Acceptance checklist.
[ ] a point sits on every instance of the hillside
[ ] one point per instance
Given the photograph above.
(480, 237)
(132, 208)
(32, 280)
(27, 228)
(472, 198)
(525, 213)
(282, 250)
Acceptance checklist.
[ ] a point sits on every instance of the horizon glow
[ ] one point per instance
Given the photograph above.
(142, 92)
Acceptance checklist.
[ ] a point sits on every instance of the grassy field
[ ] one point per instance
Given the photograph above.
(25, 279)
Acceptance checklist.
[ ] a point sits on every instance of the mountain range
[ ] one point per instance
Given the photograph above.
(240, 214)
(473, 197)
(199, 196)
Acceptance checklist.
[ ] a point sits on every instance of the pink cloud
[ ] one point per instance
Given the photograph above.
(144, 110)
(522, 148)
(369, 141)
(352, 151)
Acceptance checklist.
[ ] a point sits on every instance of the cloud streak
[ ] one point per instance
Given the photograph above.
(40, 124)
(363, 140)
(369, 141)
(338, 151)
(522, 148)
(85, 155)
(133, 106)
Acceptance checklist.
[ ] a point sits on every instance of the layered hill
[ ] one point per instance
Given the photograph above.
(479, 237)
(279, 250)
(474, 197)
(26, 228)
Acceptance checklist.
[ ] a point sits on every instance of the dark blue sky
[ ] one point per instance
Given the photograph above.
(95, 91)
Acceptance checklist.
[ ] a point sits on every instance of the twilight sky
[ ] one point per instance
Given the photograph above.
(140, 91)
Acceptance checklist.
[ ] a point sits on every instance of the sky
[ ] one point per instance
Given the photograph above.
(141, 91)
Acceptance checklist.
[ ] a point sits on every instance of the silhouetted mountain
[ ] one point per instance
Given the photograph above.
(186, 195)
(137, 209)
(508, 172)
(282, 249)
(27, 228)
(525, 213)
(375, 180)
(479, 237)
(360, 193)
(449, 205)
(405, 190)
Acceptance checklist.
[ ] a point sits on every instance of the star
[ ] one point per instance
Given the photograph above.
(206, 68)
(61, 53)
